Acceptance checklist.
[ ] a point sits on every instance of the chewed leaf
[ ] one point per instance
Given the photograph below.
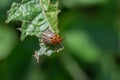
(36, 16)
(44, 50)
(24, 11)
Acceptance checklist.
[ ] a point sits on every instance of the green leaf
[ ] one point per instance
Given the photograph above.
(8, 40)
(36, 17)
(83, 46)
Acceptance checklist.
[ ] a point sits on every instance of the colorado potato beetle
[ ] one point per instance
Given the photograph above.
(50, 38)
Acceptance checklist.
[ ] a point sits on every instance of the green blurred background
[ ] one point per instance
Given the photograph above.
(91, 32)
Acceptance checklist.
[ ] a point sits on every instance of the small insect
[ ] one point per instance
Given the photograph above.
(50, 38)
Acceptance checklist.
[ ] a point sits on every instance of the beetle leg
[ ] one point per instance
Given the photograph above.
(62, 47)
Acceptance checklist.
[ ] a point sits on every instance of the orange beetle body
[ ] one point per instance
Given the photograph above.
(50, 38)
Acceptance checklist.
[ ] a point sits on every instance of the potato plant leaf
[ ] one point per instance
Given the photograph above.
(36, 17)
